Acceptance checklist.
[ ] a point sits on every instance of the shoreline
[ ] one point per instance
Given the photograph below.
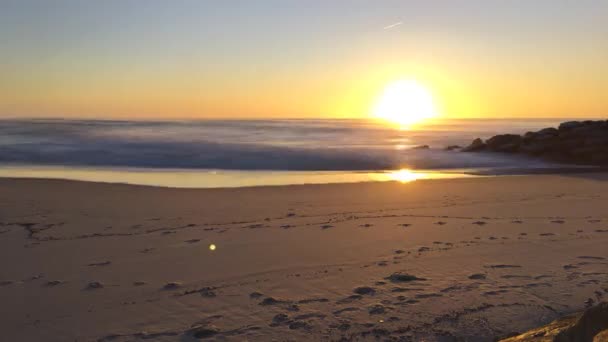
(219, 179)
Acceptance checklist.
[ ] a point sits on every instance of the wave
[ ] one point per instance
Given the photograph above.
(313, 145)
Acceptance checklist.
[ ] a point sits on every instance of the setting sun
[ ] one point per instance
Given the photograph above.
(405, 102)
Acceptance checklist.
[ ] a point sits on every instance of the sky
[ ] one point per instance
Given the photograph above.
(300, 59)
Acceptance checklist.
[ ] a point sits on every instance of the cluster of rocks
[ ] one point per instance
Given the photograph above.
(577, 142)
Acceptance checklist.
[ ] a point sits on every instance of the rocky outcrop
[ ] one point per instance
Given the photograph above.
(576, 142)
(588, 326)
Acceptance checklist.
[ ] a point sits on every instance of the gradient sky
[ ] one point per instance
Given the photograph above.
(308, 58)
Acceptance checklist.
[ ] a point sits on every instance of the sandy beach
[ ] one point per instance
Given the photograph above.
(433, 260)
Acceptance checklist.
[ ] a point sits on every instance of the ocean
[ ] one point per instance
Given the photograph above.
(228, 153)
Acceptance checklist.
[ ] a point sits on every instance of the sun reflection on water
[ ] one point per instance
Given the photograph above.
(405, 175)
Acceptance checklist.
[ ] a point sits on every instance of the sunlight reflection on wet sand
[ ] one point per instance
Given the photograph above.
(220, 178)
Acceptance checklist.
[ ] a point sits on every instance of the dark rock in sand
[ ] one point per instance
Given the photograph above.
(590, 325)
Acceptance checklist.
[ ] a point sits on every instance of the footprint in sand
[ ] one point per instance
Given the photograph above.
(313, 300)
(94, 285)
(546, 234)
(255, 295)
(502, 266)
(103, 263)
(326, 226)
(367, 225)
(376, 309)
(591, 257)
(52, 283)
(404, 224)
(341, 311)
(192, 241)
(364, 290)
(440, 223)
(517, 221)
(477, 276)
(594, 221)
(480, 223)
(172, 285)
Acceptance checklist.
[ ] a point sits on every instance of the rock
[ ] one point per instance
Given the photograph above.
(453, 147)
(548, 131)
(476, 145)
(576, 142)
(568, 125)
(421, 147)
(504, 143)
(591, 325)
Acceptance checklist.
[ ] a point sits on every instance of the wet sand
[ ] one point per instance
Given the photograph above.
(432, 259)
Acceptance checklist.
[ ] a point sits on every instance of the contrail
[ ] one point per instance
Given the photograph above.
(392, 25)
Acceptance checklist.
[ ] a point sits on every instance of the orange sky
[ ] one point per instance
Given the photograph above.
(322, 60)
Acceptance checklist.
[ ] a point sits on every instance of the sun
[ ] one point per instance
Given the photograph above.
(405, 102)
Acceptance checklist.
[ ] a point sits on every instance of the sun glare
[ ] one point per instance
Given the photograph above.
(405, 102)
(405, 176)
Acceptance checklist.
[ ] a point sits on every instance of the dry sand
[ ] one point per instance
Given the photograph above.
(489, 257)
